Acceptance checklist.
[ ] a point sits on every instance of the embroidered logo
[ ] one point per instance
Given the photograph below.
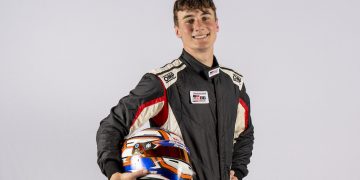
(169, 76)
(199, 97)
(214, 72)
(237, 78)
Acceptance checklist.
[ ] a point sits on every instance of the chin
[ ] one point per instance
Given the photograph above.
(202, 49)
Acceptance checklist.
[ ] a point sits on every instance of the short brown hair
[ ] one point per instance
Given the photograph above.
(181, 5)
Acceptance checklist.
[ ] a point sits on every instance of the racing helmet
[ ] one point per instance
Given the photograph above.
(161, 152)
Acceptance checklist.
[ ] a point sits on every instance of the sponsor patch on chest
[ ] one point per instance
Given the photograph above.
(199, 97)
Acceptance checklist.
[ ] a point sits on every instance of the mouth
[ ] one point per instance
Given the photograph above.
(201, 36)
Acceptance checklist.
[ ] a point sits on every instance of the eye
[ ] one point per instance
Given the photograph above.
(205, 18)
(190, 21)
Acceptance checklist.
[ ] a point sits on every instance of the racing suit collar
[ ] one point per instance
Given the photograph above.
(203, 70)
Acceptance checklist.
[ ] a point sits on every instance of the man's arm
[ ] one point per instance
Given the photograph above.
(132, 111)
(244, 142)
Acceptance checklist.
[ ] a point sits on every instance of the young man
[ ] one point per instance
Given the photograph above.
(204, 103)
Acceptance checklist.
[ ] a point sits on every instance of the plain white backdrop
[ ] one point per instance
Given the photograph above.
(64, 64)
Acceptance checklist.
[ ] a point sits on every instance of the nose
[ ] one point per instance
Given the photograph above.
(198, 25)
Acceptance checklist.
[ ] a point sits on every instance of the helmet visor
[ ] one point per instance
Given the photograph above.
(162, 149)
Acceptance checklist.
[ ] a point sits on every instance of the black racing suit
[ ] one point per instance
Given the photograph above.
(208, 107)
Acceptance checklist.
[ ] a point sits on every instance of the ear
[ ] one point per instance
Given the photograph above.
(217, 26)
(177, 31)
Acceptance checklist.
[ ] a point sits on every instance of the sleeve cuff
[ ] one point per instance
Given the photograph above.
(238, 174)
(111, 167)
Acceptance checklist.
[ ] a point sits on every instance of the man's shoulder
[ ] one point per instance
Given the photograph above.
(168, 72)
(173, 65)
(235, 76)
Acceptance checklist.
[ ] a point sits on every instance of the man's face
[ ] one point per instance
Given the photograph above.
(197, 29)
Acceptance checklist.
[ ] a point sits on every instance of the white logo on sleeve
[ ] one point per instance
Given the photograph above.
(199, 97)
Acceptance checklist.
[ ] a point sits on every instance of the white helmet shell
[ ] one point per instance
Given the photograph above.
(161, 152)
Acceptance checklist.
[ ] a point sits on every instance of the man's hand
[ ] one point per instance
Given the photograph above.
(129, 176)
(232, 175)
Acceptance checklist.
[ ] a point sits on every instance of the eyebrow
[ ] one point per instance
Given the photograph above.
(188, 16)
(205, 12)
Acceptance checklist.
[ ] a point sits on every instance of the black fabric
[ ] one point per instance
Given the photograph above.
(116, 125)
(207, 129)
(199, 129)
(198, 67)
(244, 143)
(111, 167)
(238, 174)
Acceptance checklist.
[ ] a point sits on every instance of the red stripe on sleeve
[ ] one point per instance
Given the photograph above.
(161, 117)
(144, 105)
(246, 114)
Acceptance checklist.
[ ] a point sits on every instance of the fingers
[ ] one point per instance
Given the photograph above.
(129, 176)
(232, 175)
(139, 173)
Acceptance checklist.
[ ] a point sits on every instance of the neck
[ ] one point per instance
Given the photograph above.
(204, 57)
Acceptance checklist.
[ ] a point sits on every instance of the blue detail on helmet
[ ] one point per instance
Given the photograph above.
(149, 164)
